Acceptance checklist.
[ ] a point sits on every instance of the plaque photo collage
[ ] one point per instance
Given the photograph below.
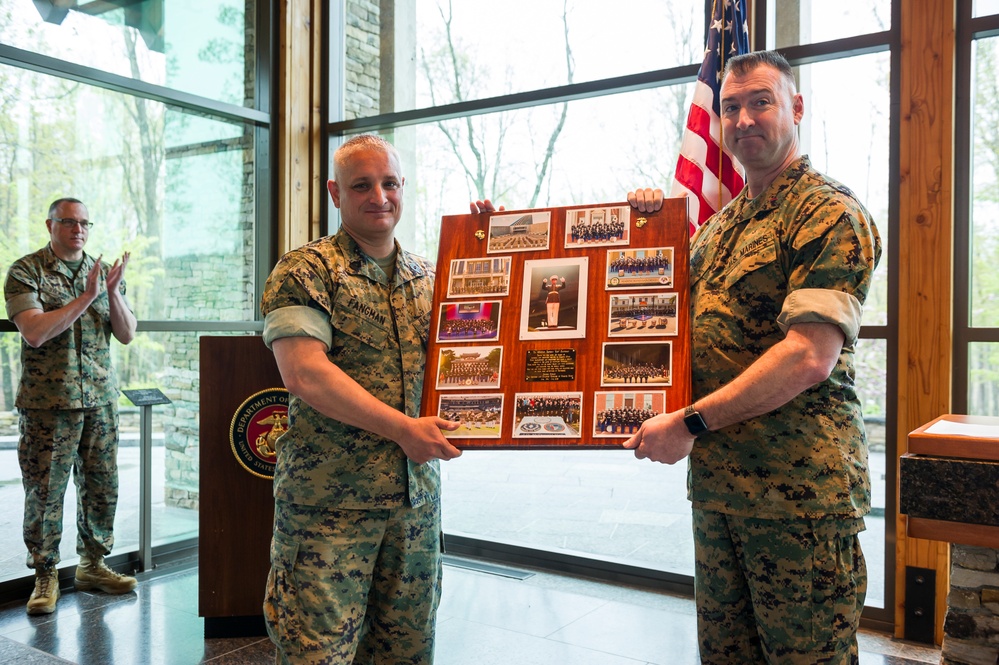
(561, 328)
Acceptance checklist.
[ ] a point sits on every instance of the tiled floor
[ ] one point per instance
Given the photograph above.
(484, 619)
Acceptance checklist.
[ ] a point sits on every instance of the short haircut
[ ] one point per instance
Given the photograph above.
(740, 65)
(58, 202)
(361, 142)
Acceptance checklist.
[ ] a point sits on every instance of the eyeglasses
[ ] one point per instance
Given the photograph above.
(85, 224)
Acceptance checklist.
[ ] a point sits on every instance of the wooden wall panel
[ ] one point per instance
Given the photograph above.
(925, 244)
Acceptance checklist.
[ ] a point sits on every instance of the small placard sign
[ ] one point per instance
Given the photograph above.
(146, 396)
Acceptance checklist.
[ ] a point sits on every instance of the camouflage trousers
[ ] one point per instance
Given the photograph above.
(778, 591)
(354, 586)
(52, 445)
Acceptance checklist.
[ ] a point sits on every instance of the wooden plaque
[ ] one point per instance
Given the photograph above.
(559, 327)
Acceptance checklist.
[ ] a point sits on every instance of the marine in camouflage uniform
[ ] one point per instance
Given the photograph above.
(779, 482)
(356, 549)
(795, 478)
(67, 397)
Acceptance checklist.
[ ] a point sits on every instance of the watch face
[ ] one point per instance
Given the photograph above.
(695, 423)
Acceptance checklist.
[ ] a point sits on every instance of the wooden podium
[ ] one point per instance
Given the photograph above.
(237, 505)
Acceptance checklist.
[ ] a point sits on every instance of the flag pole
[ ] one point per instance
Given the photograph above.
(721, 74)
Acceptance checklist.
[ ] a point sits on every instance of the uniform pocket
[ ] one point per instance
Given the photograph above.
(755, 259)
(281, 594)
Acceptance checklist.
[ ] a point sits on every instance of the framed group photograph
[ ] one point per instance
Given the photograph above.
(619, 414)
(636, 363)
(473, 321)
(643, 315)
(597, 227)
(480, 415)
(466, 367)
(649, 267)
(558, 328)
(548, 414)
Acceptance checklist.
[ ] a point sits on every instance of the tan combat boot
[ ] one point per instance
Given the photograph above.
(94, 574)
(43, 598)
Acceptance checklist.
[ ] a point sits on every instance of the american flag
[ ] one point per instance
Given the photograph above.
(705, 172)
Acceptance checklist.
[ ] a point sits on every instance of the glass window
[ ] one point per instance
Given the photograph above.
(849, 142)
(984, 295)
(177, 188)
(983, 379)
(601, 503)
(559, 154)
(871, 362)
(204, 47)
(466, 49)
(796, 22)
(985, 7)
(183, 208)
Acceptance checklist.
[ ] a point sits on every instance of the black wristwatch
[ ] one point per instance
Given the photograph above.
(694, 422)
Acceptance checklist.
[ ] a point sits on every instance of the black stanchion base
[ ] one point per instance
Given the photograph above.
(249, 626)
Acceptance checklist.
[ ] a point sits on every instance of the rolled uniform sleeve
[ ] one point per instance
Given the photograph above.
(21, 290)
(297, 321)
(22, 303)
(296, 301)
(843, 310)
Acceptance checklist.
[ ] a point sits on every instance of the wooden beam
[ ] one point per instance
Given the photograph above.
(925, 256)
(299, 123)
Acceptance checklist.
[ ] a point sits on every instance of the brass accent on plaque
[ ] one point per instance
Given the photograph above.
(640, 222)
(480, 234)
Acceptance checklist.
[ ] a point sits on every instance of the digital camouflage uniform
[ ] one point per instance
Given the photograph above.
(67, 401)
(355, 555)
(779, 499)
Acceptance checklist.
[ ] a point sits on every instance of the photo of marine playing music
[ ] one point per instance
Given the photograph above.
(553, 303)
(464, 367)
(548, 415)
(597, 227)
(620, 414)
(481, 416)
(639, 363)
(523, 232)
(650, 267)
(475, 321)
(639, 314)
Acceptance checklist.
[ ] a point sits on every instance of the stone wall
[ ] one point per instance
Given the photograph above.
(362, 68)
(198, 298)
(971, 627)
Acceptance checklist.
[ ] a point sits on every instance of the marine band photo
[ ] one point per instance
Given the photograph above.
(644, 363)
(640, 314)
(598, 227)
(548, 414)
(621, 414)
(523, 232)
(649, 267)
(480, 415)
(477, 321)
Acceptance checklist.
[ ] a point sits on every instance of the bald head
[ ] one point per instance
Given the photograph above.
(361, 143)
